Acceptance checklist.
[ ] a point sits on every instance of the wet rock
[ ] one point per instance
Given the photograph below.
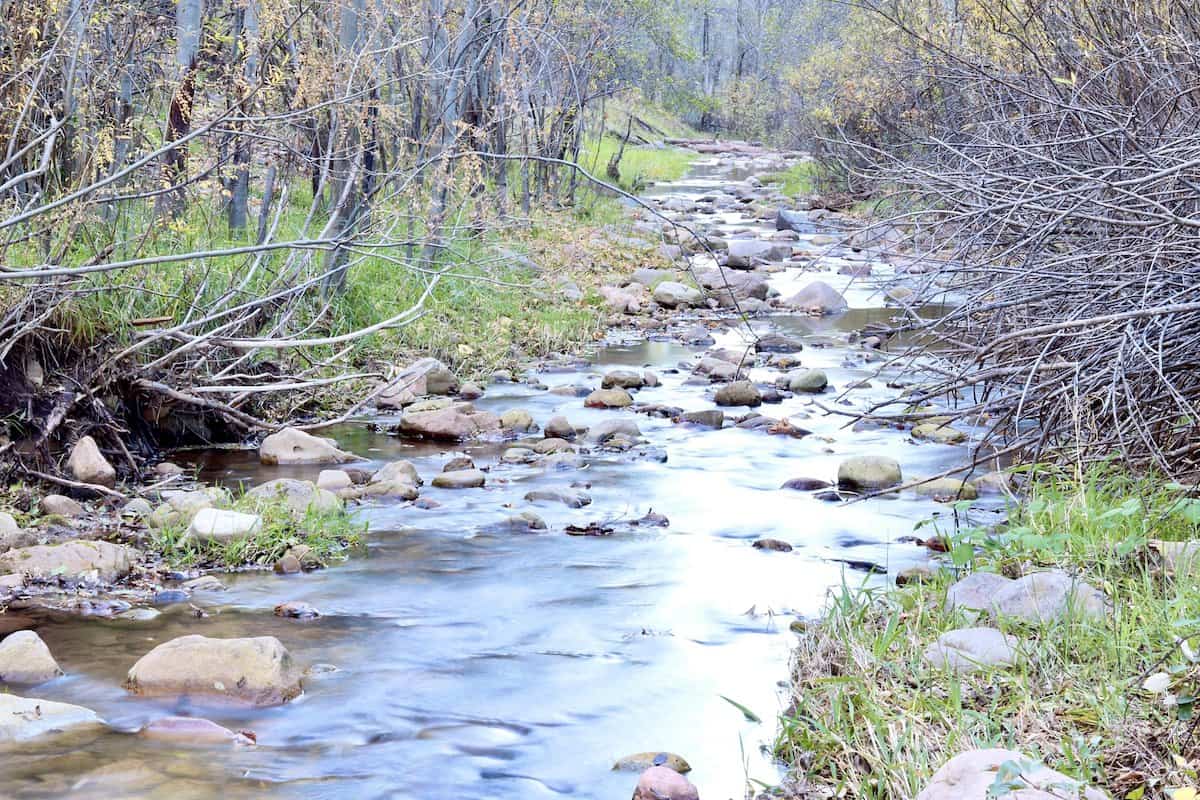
(783, 360)
(723, 371)
(664, 783)
(995, 483)
(399, 488)
(60, 505)
(572, 498)
(604, 430)
(638, 762)
(917, 573)
(869, 473)
(818, 298)
(518, 455)
(458, 463)
(397, 471)
(300, 497)
(470, 391)
(292, 446)
(87, 464)
(295, 609)
(608, 398)
(777, 545)
(288, 565)
(744, 253)
(305, 555)
(696, 335)
(549, 446)
(220, 525)
(738, 393)
(517, 419)
(729, 286)
(25, 718)
(334, 480)
(623, 379)
(167, 597)
(972, 649)
(947, 489)
(559, 428)
(205, 583)
(423, 377)
(797, 221)
(191, 730)
(708, 418)
(971, 775)
(166, 469)
(460, 479)
(558, 462)
(806, 484)
(454, 423)
(808, 380)
(24, 658)
(259, 671)
(139, 614)
(676, 295)
(777, 343)
(70, 560)
(525, 522)
(942, 434)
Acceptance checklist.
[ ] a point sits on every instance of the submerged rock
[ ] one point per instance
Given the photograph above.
(777, 545)
(947, 489)
(89, 465)
(191, 730)
(292, 446)
(971, 775)
(643, 761)
(942, 434)
(572, 498)
(259, 671)
(25, 658)
(805, 484)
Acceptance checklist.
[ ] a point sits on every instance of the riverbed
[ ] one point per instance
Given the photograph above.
(456, 658)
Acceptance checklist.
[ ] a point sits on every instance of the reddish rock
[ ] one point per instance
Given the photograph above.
(663, 783)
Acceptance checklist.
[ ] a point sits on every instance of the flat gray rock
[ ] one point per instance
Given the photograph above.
(1036, 598)
(972, 649)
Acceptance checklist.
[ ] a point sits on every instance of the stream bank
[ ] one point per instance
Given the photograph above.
(458, 654)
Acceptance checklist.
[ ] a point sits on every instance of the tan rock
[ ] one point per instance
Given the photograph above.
(256, 670)
(25, 658)
(292, 446)
(72, 559)
(89, 465)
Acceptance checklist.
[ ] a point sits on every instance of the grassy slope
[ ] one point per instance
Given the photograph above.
(870, 719)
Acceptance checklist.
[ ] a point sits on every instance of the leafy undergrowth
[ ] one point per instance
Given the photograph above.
(795, 181)
(870, 718)
(329, 535)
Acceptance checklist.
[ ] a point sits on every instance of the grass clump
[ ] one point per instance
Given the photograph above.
(797, 180)
(641, 165)
(870, 718)
(329, 535)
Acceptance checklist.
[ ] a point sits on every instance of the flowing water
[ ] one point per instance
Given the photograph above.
(472, 662)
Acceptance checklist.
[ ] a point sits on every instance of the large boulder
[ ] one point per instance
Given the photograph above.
(971, 775)
(424, 377)
(89, 465)
(300, 497)
(818, 298)
(292, 446)
(221, 525)
(739, 393)
(25, 718)
(24, 658)
(259, 670)
(70, 560)
(869, 473)
(676, 295)
(455, 423)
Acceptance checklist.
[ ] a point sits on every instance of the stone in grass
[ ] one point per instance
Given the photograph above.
(972, 649)
(220, 525)
(259, 670)
(1035, 598)
(24, 658)
(970, 776)
(654, 758)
